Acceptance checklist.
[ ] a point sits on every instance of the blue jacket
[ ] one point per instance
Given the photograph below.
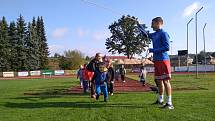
(100, 77)
(160, 41)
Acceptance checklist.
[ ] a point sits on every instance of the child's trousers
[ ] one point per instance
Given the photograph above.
(102, 88)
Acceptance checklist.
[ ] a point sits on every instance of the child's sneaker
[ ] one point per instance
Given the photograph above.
(105, 99)
(97, 97)
(93, 96)
(168, 106)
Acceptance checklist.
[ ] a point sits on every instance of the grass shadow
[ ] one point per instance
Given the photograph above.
(86, 105)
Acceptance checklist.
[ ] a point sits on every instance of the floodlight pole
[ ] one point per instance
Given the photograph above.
(188, 41)
(204, 45)
(197, 42)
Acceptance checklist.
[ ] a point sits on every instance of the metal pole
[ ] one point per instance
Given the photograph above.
(197, 42)
(188, 41)
(204, 44)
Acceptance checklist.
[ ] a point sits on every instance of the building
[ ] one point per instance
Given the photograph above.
(182, 60)
(129, 63)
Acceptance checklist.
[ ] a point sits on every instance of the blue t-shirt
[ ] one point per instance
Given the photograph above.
(100, 78)
(160, 41)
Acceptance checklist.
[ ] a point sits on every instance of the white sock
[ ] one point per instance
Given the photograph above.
(160, 98)
(169, 100)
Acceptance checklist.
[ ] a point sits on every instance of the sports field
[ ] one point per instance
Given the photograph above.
(49, 100)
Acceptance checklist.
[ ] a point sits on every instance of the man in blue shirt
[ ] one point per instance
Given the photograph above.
(160, 40)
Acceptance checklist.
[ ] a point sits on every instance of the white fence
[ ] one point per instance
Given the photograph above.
(37, 73)
(201, 68)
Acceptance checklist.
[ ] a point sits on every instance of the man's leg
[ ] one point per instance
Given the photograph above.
(92, 91)
(111, 88)
(168, 89)
(161, 91)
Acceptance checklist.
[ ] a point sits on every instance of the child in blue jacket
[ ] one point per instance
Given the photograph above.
(100, 80)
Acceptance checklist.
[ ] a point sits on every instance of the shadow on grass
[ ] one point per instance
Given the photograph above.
(86, 105)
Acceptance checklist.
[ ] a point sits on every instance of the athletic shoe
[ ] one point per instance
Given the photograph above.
(105, 99)
(97, 97)
(93, 96)
(123, 81)
(158, 103)
(168, 106)
(111, 93)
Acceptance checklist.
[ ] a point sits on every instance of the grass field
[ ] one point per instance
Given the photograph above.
(194, 100)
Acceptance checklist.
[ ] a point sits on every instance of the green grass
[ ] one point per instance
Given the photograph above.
(193, 99)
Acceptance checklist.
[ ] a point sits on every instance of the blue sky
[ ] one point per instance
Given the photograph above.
(74, 24)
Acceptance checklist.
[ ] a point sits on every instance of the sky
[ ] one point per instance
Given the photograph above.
(81, 25)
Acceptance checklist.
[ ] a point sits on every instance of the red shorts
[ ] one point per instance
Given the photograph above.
(162, 70)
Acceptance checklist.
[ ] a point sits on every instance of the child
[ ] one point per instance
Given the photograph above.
(80, 75)
(110, 77)
(100, 80)
(122, 73)
(142, 77)
(160, 40)
(85, 79)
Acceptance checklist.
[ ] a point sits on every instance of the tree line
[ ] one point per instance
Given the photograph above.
(23, 46)
(71, 59)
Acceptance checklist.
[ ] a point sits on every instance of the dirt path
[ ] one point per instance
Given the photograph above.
(129, 86)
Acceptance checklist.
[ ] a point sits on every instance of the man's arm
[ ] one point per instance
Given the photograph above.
(143, 31)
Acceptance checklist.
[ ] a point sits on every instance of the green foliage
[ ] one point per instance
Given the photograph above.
(32, 47)
(126, 38)
(72, 59)
(13, 45)
(43, 45)
(4, 46)
(23, 47)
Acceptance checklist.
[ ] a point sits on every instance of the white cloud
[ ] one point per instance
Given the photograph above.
(189, 10)
(56, 49)
(60, 33)
(81, 32)
(100, 35)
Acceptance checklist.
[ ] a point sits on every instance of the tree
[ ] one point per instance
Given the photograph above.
(21, 41)
(213, 54)
(71, 59)
(4, 46)
(126, 38)
(43, 45)
(13, 44)
(64, 63)
(87, 58)
(57, 55)
(75, 57)
(201, 57)
(32, 46)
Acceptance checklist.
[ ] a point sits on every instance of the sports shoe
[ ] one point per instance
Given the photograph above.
(93, 96)
(111, 93)
(168, 106)
(158, 103)
(97, 97)
(123, 81)
(105, 99)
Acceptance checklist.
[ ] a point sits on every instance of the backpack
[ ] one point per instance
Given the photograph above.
(90, 66)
